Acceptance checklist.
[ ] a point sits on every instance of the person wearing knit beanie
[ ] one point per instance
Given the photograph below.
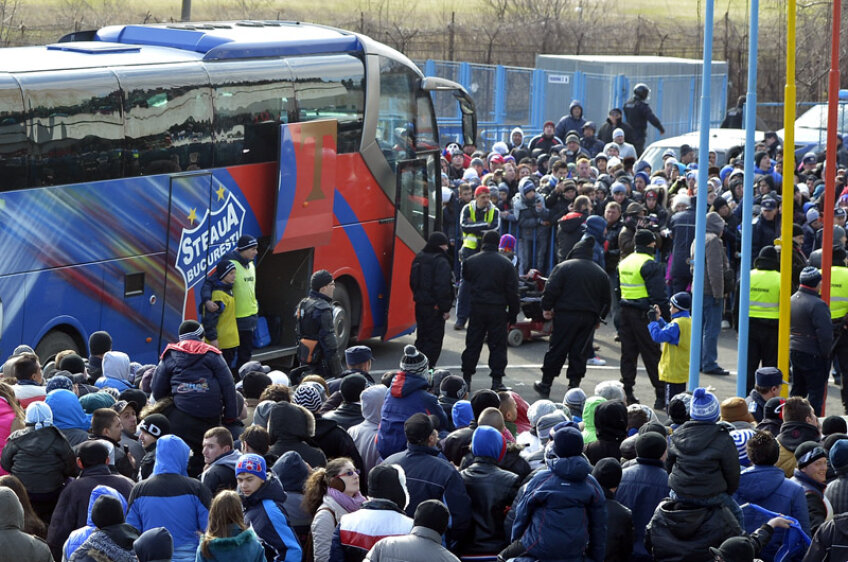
(810, 341)
(704, 406)
(607, 472)
(413, 361)
(431, 280)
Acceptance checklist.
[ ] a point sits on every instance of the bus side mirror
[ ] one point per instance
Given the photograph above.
(467, 107)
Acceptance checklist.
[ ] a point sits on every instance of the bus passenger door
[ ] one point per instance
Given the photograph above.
(303, 216)
(417, 214)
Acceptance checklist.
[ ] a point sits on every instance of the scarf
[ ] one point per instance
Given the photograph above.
(349, 504)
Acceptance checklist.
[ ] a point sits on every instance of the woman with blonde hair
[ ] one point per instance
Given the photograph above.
(11, 416)
(330, 493)
(228, 537)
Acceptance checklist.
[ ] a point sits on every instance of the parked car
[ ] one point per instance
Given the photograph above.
(811, 127)
(727, 143)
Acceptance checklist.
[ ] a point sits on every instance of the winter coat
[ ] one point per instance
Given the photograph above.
(817, 503)
(171, 499)
(767, 487)
(593, 229)
(359, 531)
(41, 458)
(837, 492)
(364, 435)
(830, 541)
(643, 486)
(346, 415)
(638, 115)
(811, 330)
(264, 512)
(242, 545)
(431, 279)
(221, 474)
(408, 395)
(431, 477)
(702, 460)
(715, 258)
(578, 284)
(113, 543)
(324, 524)
(292, 428)
(569, 232)
(420, 545)
(293, 472)
(619, 543)
(763, 233)
(611, 429)
(492, 491)
(18, 545)
(528, 214)
(72, 509)
(569, 122)
(565, 491)
(197, 377)
(79, 536)
(605, 132)
(682, 227)
(336, 443)
(589, 407)
(493, 280)
(791, 435)
(8, 424)
(556, 203)
(679, 533)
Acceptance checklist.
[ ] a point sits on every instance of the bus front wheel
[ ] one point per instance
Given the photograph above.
(342, 315)
(53, 343)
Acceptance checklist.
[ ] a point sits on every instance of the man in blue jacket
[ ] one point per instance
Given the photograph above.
(195, 375)
(171, 499)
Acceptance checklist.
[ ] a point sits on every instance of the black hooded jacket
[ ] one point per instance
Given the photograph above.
(292, 428)
(611, 429)
(578, 284)
(702, 460)
(493, 280)
(679, 533)
(431, 279)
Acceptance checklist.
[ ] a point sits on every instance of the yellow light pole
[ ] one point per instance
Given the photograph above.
(787, 196)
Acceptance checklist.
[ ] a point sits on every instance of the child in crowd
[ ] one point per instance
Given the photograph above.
(220, 326)
(674, 337)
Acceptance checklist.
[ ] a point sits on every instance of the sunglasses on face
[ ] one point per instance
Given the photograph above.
(355, 471)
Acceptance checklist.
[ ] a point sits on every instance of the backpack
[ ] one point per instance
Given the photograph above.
(309, 546)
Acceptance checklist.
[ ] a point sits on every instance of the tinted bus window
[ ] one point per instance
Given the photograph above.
(14, 145)
(251, 98)
(75, 124)
(168, 115)
(396, 122)
(332, 87)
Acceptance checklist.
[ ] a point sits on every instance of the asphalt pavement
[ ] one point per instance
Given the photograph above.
(525, 366)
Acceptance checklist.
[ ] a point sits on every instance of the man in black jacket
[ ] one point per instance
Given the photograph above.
(576, 296)
(811, 336)
(639, 114)
(493, 283)
(317, 344)
(619, 518)
(431, 280)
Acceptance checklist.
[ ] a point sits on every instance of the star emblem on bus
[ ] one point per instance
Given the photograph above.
(192, 216)
(221, 191)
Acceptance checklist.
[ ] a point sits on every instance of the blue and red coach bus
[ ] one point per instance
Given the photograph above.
(133, 157)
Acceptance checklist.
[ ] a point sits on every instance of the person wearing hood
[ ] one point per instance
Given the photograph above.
(517, 144)
(196, 376)
(318, 346)
(466, 414)
(800, 424)
(68, 415)
(772, 420)
(595, 229)
(570, 227)
(811, 338)
(220, 326)
(536, 458)
(72, 509)
(764, 312)
(220, 458)
(292, 471)
(228, 536)
(40, 457)
(98, 344)
(589, 428)
(566, 491)
(610, 428)
(452, 389)
(716, 264)
(292, 428)
(78, 536)
(765, 485)
(529, 212)
(634, 216)
(116, 372)
(112, 539)
(430, 475)
(364, 434)
(642, 281)
(703, 461)
(589, 142)
(643, 486)
(170, 499)
(18, 545)
(674, 337)
(614, 121)
(573, 121)
(431, 280)
(380, 517)
(154, 545)
(492, 491)
(424, 541)
(577, 298)
(349, 412)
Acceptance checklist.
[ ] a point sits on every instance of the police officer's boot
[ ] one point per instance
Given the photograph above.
(629, 396)
(659, 403)
(467, 378)
(543, 387)
(498, 385)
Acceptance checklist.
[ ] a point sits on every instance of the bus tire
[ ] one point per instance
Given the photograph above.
(54, 342)
(342, 321)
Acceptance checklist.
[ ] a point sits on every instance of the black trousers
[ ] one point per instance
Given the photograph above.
(840, 353)
(430, 332)
(572, 333)
(762, 347)
(636, 341)
(190, 429)
(489, 324)
(809, 378)
(245, 348)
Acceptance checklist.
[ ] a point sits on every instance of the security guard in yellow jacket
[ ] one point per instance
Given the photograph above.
(838, 312)
(764, 313)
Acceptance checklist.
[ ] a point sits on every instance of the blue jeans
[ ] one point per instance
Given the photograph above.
(712, 328)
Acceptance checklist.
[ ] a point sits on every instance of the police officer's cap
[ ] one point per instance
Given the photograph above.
(768, 377)
(358, 354)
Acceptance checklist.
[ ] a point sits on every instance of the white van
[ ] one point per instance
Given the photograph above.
(727, 143)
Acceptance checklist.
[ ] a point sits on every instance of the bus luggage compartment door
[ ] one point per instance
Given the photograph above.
(303, 216)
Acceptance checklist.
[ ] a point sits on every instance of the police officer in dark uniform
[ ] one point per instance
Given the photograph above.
(642, 286)
(431, 280)
(317, 344)
(767, 384)
(639, 114)
(493, 284)
(733, 119)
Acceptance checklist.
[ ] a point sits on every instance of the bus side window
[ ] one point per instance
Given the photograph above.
(168, 116)
(396, 121)
(332, 87)
(76, 125)
(14, 145)
(251, 99)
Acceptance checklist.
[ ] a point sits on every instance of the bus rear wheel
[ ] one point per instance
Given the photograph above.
(53, 343)
(342, 321)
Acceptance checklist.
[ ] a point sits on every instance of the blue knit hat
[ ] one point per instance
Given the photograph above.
(839, 454)
(488, 442)
(462, 414)
(740, 439)
(682, 301)
(252, 464)
(59, 381)
(704, 406)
